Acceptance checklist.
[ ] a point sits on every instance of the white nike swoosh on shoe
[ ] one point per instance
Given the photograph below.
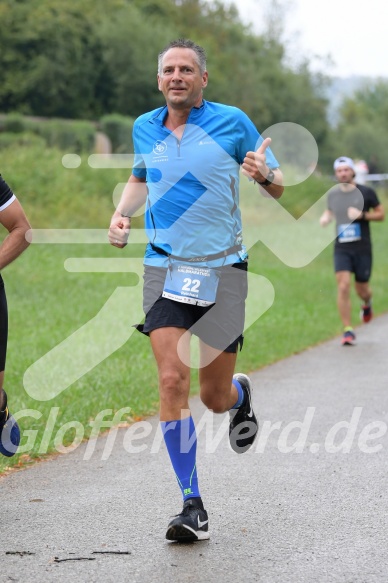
(201, 524)
(250, 414)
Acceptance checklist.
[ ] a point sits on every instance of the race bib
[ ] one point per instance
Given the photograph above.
(191, 284)
(348, 233)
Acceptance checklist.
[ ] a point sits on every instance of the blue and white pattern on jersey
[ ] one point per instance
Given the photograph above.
(193, 184)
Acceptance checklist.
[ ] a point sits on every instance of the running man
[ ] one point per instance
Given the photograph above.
(188, 155)
(353, 206)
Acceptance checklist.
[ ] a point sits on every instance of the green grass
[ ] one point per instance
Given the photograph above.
(47, 303)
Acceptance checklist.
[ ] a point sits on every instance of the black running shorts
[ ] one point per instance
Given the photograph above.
(220, 325)
(359, 263)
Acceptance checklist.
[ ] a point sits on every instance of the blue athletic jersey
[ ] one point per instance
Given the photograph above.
(192, 207)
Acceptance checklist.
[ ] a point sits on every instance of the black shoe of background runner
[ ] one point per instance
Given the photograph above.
(243, 425)
(9, 429)
(190, 525)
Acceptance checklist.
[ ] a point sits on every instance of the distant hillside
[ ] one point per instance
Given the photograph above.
(340, 88)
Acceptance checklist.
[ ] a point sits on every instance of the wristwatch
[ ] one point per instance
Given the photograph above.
(269, 179)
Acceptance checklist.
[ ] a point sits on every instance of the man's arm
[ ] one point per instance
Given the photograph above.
(15, 221)
(276, 188)
(374, 209)
(133, 197)
(326, 218)
(375, 214)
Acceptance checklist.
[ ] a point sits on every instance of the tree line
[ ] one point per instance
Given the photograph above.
(85, 59)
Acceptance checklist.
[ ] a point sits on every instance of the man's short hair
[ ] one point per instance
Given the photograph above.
(184, 43)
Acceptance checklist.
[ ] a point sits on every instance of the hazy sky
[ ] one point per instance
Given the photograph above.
(355, 34)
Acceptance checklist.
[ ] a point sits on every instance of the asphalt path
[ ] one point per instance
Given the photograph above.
(308, 503)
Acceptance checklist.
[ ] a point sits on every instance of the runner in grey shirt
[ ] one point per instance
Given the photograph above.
(352, 206)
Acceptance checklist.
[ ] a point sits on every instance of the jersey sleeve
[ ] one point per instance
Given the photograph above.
(371, 200)
(138, 168)
(6, 194)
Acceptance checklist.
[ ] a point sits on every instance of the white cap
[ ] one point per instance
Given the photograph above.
(344, 161)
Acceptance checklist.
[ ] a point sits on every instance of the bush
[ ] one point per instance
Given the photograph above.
(8, 139)
(14, 123)
(69, 135)
(118, 128)
(74, 136)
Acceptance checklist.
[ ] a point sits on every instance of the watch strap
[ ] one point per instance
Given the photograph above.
(269, 179)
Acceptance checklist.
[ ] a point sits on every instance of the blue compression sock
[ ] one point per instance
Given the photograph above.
(241, 395)
(181, 443)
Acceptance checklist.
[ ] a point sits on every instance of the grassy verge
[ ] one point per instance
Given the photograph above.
(49, 304)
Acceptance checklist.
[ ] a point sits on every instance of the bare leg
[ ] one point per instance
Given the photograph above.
(174, 375)
(343, 296)
(363, 290)
(216, 389)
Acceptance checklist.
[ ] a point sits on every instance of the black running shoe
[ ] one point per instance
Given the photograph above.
(190, 525)
(243, 425)
(9, 430)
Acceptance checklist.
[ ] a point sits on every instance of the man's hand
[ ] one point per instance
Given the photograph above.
(254, 165)
(354, 213)
(132, 199)
(119, 230)
(326, 218)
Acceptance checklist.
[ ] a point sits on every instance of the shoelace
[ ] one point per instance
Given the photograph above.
(189, 511)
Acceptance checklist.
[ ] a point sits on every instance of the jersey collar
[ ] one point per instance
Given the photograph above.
(195, 114)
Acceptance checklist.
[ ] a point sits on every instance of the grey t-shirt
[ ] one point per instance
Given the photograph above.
(356, 234)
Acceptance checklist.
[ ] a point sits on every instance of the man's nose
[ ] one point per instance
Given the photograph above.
(176, 76)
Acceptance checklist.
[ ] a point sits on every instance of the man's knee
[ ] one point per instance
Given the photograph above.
(216, 398)
(343, 284)
(172, 385)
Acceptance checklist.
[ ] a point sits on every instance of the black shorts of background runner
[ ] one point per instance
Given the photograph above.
(220, 325)
(354, 261)
(3, 325)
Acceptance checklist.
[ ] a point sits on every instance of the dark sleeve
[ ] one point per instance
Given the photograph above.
(5, 192)
(373, 200)
(370, 197)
